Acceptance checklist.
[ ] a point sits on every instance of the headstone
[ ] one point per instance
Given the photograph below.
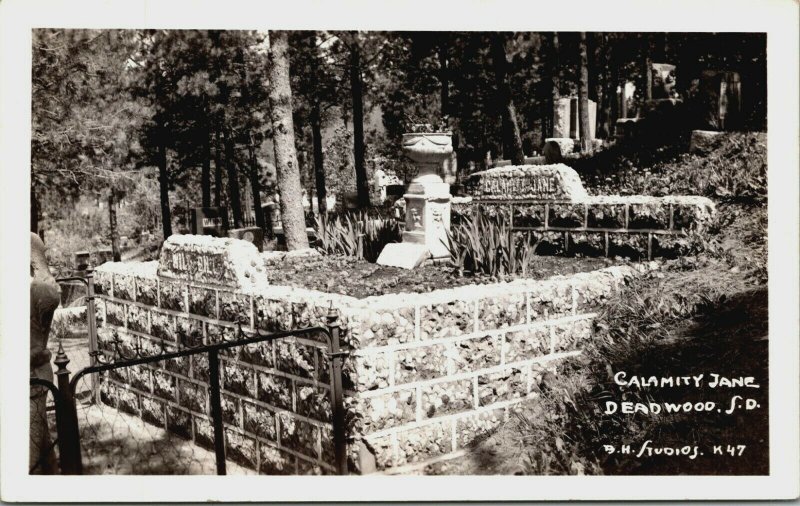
(211, 221)
(214, 261)
(721, 93)
(351, 200)
(561, 118)
(450, 169)
(625, 127)
(275, 215)
(535, 159)
(427, 201)
(379, 179)
(555, 149)
(253, 235)
(664, 81)
(701, 140)
(528, 182)
(529, 160)
(82, 260)
(622, 99)
(45, 297)
(330, 202)
(101, 256)
(566, 121)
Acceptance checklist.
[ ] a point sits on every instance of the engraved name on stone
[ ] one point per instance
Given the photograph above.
(542, 185)
(210, 266)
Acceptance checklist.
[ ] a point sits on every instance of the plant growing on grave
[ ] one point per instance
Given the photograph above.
(486, 245)
(357, 234)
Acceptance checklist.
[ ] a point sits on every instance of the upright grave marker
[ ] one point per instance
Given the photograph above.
(427, 203)
(211, 221)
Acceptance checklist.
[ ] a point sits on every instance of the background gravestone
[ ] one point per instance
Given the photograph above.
(664, 81)
(211, 221)
(721, 98)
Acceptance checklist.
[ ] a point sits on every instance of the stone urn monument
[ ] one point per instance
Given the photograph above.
(427, 203)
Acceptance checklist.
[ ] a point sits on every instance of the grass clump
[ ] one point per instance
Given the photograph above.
(486, 245)
(356, 234)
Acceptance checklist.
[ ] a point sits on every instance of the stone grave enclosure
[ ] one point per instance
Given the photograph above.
(550, 200)
(428, 373)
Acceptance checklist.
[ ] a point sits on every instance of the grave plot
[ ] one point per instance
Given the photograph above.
(550, 201)
(427, 373)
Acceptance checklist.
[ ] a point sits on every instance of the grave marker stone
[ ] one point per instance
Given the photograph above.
(427, 203)
(527, 182)
(211, 221)
(561, 118)
(722, 92)
(664, 81)
(210, 260)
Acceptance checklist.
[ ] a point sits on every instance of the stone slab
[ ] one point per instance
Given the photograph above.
(405, 255)
(702, 140)
(225, 262)
(527, 182)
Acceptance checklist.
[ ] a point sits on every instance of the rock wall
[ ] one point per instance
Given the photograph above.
(275, 395)
(428, 373)
(439, 370)
(635, 226)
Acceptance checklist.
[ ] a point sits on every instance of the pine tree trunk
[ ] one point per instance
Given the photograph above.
(112, 225)
(255, 186)
(512, 142)
(280, 96)
(609, 107)
(583, 96)
(217, 170)
(357, 94)
(206, 175)
(601, 73)
(553, 93)
(234, 194)
(319, 166)
(163, 184)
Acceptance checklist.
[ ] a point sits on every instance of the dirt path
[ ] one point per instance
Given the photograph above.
(117, 443)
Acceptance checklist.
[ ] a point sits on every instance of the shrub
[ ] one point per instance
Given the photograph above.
(734, 169)
(483, 244)
(356, 234)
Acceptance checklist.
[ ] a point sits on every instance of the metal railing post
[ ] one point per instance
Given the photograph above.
(69, 443)
(92, 330)
(216, 410)
(339, 437)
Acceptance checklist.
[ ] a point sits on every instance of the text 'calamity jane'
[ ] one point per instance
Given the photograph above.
(697, 380)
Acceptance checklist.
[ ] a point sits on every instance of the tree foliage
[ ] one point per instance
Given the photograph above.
(188, 109)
